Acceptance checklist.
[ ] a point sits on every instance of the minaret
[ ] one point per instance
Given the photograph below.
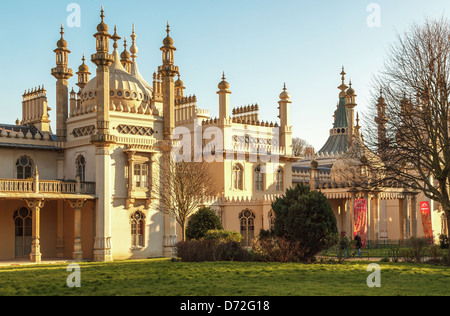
(224, 100)
(125, 57)
(179, 89)
(381, 120)
(350, 105)
(103, 140)
(62, 73)
(102, 59)
(285, 128)
(168, 71)
(83, 75)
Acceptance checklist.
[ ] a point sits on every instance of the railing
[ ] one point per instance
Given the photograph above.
(46, 186)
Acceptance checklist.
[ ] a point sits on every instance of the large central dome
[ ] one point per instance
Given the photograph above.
(128, 89)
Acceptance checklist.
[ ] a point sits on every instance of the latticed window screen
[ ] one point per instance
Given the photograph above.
(137, 229)
(247, 219)
(24, 167)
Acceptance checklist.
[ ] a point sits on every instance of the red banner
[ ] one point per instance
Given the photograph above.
(360, 219)
(426, 220)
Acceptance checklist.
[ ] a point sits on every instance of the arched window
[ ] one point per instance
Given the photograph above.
(271, 220)
(81, 168)
(24, 167)
(280, 179)
(137, 229)
(238, 177)
(23, 231)
(247, 220)
(258, 179)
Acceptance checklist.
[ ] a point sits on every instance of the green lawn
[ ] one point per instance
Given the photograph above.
(160, 277)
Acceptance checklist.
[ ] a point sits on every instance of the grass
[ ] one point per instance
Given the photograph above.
(160, 277)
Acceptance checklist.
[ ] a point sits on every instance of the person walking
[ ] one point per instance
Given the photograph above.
(343, 245)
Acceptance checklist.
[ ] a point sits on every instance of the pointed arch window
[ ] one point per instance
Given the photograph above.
(271, 220)
(280, 179)
(259, 179)
(24, 167)
(81, 168)
(23, 220)
(137, 229)
(238, 177)
(247, 220)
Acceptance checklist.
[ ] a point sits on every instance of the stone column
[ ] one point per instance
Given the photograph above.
(414, 214)
(35, 205)
(376, 215)
(102, 245)
(77, 205)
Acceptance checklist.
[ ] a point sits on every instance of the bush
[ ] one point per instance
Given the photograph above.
(211, 250)
(418, 246)
(201, 222)
(305, 217)
(221, 235)
(443, 241)
(276, 249)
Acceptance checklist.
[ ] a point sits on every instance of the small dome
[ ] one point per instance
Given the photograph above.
(285, 95)
(224, 85)
(350, 91)
(179, 83)
(125, 56)
(62, 43)
(168, 41)
(83, 68)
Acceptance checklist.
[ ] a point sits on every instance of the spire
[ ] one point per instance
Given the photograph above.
(115, 38)
(133, 48)
(343, 86)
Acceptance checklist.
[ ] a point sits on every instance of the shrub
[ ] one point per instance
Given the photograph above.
(305, 217)
(223, 236)
(201, 222)
(418, 246)
(218, 245)
(443, 241)
(276, 249)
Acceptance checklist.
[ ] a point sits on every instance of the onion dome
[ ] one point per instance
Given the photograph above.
(350, 91)
(125, 56)
(285, 95)
(83, 67)
(62, 44)
(102, 27)
(223, 85)
(168, 41)
(179, 82)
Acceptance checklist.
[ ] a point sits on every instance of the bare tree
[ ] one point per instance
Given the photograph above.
(182, 187)
(410, 133)
(299, 146)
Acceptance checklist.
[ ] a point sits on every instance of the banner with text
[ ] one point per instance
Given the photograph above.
(360, 219)
(426, 220)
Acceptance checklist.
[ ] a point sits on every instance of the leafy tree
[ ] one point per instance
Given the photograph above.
(202, 222)
(305, 217)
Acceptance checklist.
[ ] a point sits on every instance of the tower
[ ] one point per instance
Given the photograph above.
(224, 99)
(179, 89)
(103, 141)
(62, 73)
(285, 128)
(381, 120)
(102, 59)
(350, 105)
(168, 71)
(125, 57)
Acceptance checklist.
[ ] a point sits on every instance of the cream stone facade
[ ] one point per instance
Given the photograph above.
(85, 193)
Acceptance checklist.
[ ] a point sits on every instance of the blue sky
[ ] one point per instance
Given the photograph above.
(260, 44)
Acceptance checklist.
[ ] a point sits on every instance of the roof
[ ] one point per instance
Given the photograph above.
(338, 140)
